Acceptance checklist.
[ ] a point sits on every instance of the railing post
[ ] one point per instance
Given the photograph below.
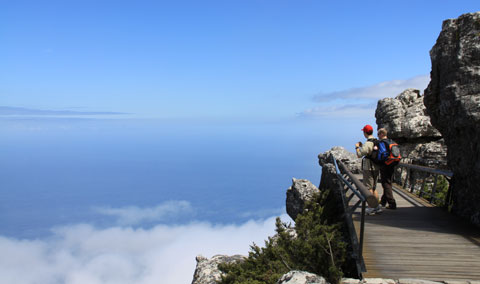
(423, 185)
(362, 229)
(406, 178)
(412, 184)
(429, 171)
(434, 189)
(365, 198)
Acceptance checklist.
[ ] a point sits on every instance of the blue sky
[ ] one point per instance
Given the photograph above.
(214, 59)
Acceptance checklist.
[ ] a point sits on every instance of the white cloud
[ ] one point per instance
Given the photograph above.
(361, 102)
(163, 254)
(377, 91)
(132, 215)
(345, 111)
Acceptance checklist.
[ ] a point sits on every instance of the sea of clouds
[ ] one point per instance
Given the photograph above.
(123, 253)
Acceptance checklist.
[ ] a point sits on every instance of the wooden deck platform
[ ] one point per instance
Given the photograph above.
(419, 241)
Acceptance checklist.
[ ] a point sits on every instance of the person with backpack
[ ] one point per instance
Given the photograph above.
(369, 168)
(387, 167)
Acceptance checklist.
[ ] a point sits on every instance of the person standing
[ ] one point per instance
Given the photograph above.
(369, 168)
(386, 176)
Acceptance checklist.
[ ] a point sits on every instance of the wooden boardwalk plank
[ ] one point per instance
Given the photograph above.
(420, 242)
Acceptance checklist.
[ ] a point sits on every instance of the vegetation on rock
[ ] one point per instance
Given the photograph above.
(317, 247)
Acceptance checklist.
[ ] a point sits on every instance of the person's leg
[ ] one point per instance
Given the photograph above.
(386, 178)
(375, 174)
(370, 178)
(368, 183)
(383, 180)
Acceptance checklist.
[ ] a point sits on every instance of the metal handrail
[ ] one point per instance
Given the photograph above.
(372, 201)
(432, 171)
(427, 169)
(365, 197)
(353, 184)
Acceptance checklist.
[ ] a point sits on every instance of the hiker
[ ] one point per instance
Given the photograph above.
(386, 175)
(369, 168)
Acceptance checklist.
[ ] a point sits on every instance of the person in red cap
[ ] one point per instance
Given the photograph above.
(369, 168)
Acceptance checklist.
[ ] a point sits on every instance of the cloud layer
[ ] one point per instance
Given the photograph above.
(80, 254)
(361, 102)
(18, 111)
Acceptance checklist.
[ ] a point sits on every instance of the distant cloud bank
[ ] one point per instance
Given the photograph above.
(358, 102)
(377, 91)
(18, 111)
(80, 254)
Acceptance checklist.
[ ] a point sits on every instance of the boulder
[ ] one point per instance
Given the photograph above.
(452, 100)
(207, 271)
(298, 194)
(408, 124)
(349, 159)
(301, 277)
(405, 117)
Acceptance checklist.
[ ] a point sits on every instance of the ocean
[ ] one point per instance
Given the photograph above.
(193, 186)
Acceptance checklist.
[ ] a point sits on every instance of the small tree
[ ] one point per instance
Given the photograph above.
(317, 247)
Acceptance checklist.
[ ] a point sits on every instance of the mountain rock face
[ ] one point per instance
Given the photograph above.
(207, 271)
(301, 277)
(453, 102)
(407, 122)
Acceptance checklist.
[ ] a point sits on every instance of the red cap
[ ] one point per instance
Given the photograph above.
(367, 129)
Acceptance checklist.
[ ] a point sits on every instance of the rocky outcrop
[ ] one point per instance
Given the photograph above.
(207, 271)
(407, 122)
(453, 102)
(298, 194)
(349, 159)
(301, 277)
(405, 117)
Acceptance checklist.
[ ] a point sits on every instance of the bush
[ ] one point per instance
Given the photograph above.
(318, 247)
(440, 197)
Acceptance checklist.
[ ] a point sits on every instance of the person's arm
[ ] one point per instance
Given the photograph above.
(364, 150)
(357, 150)
(357, 146)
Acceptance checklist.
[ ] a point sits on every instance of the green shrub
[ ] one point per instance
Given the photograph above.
(318, 248)
(440, 192)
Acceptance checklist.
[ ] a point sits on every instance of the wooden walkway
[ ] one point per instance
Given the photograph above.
(419, 241)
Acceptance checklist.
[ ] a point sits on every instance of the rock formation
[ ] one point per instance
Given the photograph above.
(300, 192)
(349, 159)
(207, 271)
(301, 277)
(453, 102)
(408, 123)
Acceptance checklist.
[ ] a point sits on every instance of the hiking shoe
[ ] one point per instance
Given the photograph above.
(370, 211)
(378, 210)
(392, 206)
